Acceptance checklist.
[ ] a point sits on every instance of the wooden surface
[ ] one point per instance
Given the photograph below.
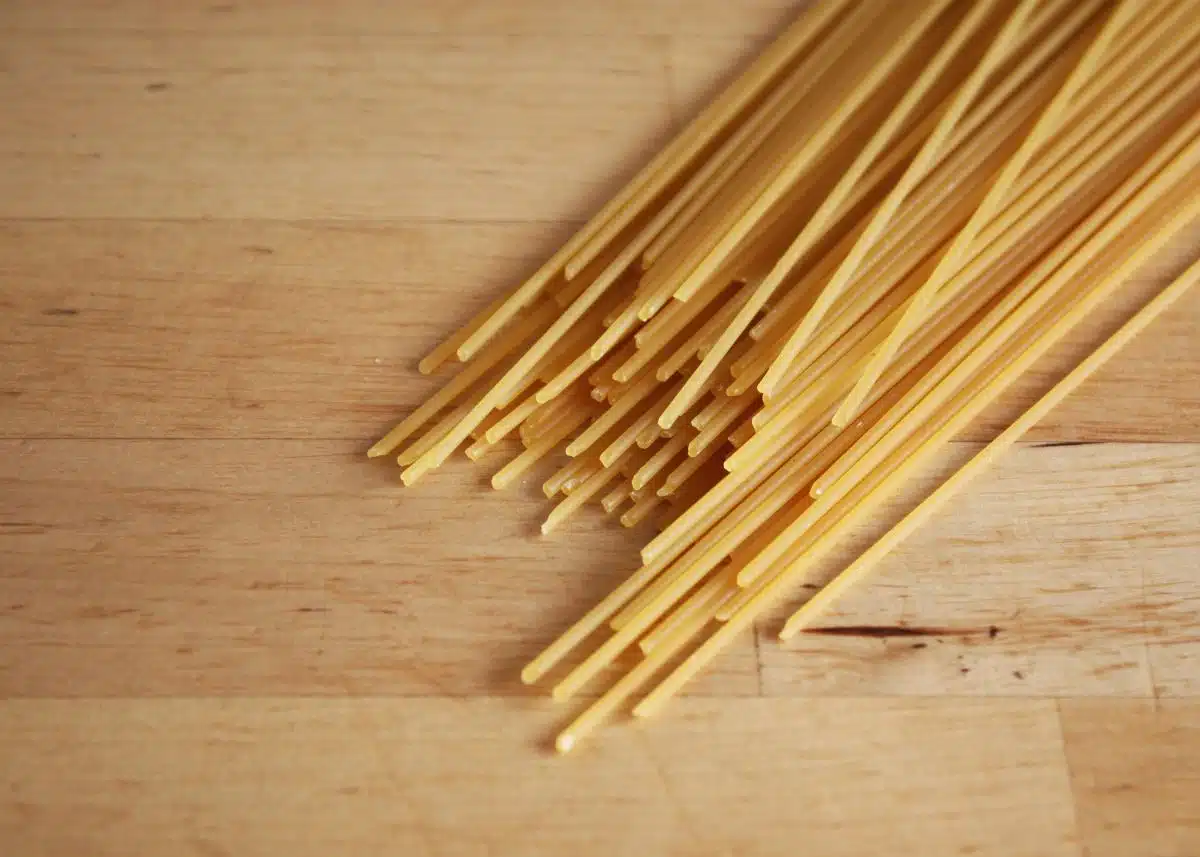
(228, 229)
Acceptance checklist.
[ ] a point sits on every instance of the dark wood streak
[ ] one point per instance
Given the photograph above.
(885, 631)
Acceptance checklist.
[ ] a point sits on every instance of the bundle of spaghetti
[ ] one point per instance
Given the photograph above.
(862, 242)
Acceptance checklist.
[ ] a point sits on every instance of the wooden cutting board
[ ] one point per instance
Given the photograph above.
(227, 231)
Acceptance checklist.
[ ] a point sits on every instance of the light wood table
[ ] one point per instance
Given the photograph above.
(228, 229)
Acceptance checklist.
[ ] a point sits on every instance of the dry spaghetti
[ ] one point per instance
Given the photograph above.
(867, 238)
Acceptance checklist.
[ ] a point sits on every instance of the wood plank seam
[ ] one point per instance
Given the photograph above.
(1069, 783)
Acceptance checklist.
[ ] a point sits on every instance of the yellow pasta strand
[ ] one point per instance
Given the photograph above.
(868, 561)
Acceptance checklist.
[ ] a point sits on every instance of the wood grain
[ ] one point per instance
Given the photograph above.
(1057, 575)
(427, 777)
(228, 230)
(283, 329)
(1135, 769)
(251, 329)
(251, 568)
(437, 127)
(617, 18)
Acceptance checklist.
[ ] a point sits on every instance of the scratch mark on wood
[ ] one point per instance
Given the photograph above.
(886, 631)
